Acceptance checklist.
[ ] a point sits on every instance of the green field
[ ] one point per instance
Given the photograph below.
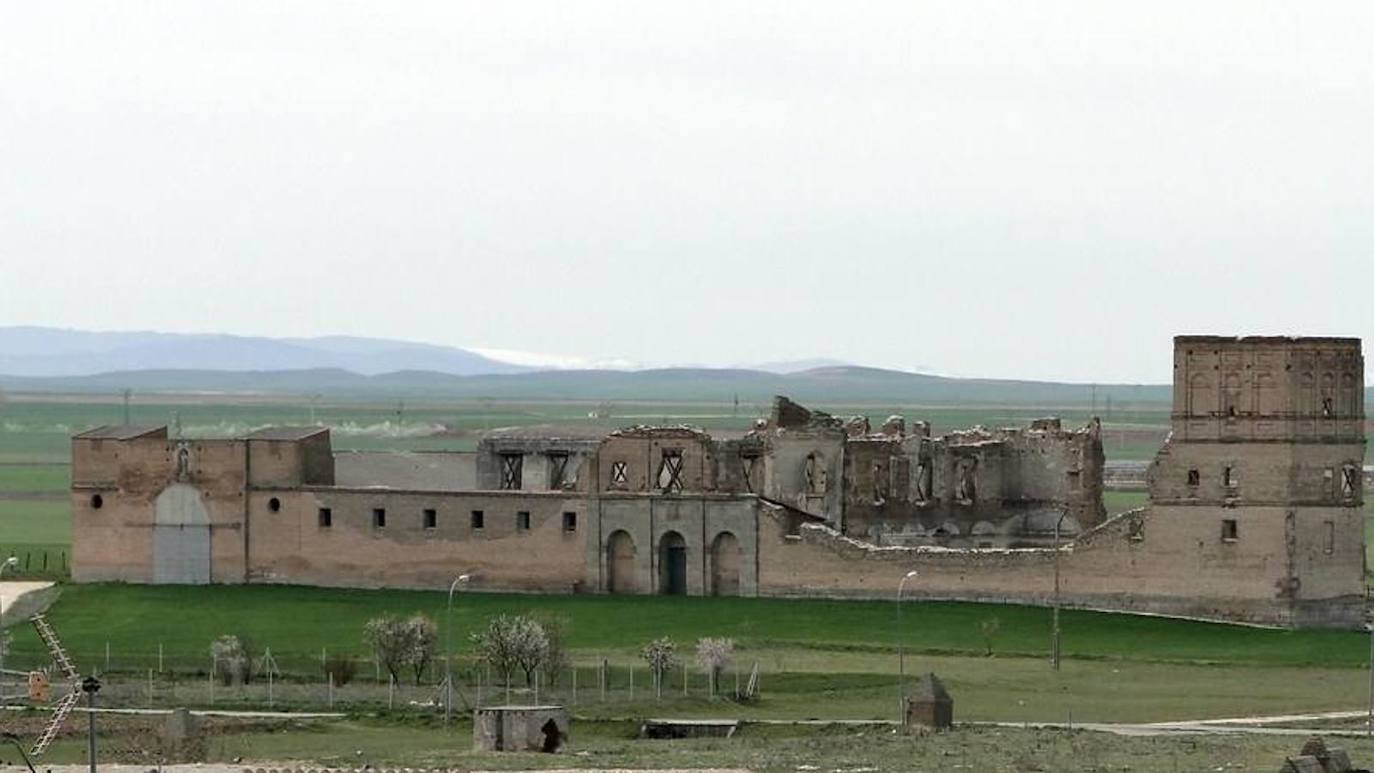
(817, 659)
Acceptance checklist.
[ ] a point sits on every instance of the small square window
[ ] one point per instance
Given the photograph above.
(478, 519)
(379, 517)
(522, 520)
(569, 521)
(326, 518)
(1194, 477)
(431, 518)
(1229, 533)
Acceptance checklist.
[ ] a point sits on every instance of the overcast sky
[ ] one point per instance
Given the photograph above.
(1035, 190)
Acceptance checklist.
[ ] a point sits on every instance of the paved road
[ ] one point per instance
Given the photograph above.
(12, 591)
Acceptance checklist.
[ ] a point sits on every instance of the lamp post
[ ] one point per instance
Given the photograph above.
(901, 652)
(1054, 633)
(8, 563)
(1369, 626)
(461, 579)
(90, 685)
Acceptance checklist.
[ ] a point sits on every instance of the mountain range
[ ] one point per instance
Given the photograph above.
(48, 360)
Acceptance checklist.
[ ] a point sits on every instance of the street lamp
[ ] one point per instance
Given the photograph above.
(461, 579)
(901, 653)
(1054, 640)
(8, 563)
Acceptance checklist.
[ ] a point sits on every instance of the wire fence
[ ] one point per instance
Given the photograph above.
(316, 682)
(37, 562)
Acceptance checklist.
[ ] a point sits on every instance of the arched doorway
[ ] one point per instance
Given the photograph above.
(725, 565)
(181, 537)
(620, 563)
(672, 565)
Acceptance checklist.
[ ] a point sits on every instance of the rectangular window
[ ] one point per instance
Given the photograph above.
(558, 470)
(1229, 533)
(431, 518)
(569, 521)
(512, 471)
(1228, 477)
(620, 476)
(1194, 478)
(670, 471)
(379, 517)
(478, 519)
(522, 520)
(1329, 535)
(326, 518)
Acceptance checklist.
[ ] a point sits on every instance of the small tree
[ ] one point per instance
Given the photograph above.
(989, 628)
(659, 654)
(389, 639)
(422, 639)
(557, 628)
(232, 660)
(715, 655)
(511, 642)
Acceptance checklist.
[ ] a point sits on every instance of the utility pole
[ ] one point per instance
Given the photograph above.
(461, 579)
(901, 652)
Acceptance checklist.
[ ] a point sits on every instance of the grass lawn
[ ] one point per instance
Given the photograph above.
(299, 621)
(358, 742)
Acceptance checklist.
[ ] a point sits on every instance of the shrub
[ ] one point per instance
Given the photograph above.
(342, 667)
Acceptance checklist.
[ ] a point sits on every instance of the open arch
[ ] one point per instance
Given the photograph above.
(672, 565)
(725, 561)
(620, 563)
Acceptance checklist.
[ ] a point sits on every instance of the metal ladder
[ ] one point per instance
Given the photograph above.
(50, 640)
(67, 702)
(59, 716)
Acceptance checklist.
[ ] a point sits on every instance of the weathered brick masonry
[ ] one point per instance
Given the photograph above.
(1255, 504)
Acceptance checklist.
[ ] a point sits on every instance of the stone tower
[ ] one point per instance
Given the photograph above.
(1261, 476)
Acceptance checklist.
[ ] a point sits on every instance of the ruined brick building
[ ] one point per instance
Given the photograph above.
(1254, 514)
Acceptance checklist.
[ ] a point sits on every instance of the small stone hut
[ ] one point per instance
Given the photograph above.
(520, 728)
(929, 704)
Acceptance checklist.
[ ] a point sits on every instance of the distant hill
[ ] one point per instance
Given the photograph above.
(819, 385)
(49, 352)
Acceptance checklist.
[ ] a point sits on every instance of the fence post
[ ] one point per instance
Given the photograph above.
(213, 662)
(574, 683)
(632, 684)
(684, 680)
(331, 689)
(508, 701)
(601, 679)
(390, 691)
(107, 656)
(536, 687)
(150, 688)
(159, 657)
